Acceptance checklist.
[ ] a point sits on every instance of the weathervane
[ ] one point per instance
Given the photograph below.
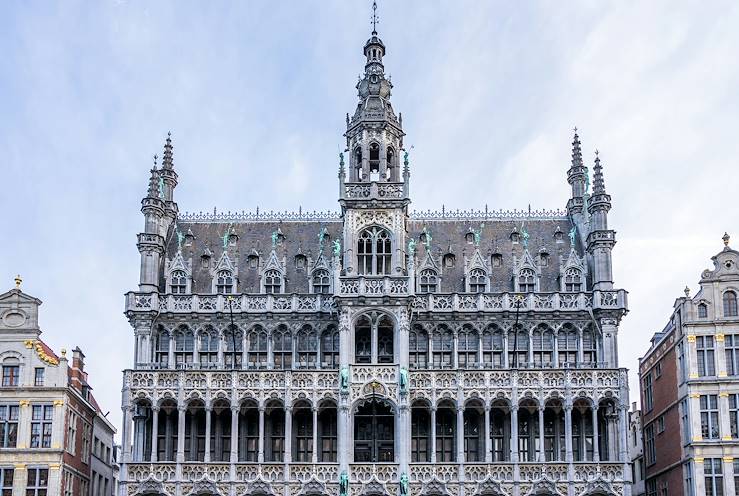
(375, 19)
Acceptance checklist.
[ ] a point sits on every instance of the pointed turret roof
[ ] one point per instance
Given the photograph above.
(168, 159)
(576, 151)
(599, 186)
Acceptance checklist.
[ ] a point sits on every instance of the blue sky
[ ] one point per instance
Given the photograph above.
(255, 94)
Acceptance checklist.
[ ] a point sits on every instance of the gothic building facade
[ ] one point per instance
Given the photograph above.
(376, 350)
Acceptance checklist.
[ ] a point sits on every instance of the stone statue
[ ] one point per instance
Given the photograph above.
(573, 231)
(337, 248)
(321, 237)
(274, 239)
(341, 158)
(427, 238)
(404, 484)
(344, 484)
(161, 187)
(225, 239)
(478, 234)
(180, 237)
(525, 237)
(344, 380)
(403, 380)
(405, 157)
(411, 246)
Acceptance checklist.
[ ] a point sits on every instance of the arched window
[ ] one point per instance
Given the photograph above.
(467, 345)
(573, 280)
(730, 307)
(589, 347)
(363, 341)
(307, 347)
(272, 282)
(702, 311)
(257, 350)
(500, 431)
(418, 348)
(195, 431)
(302, 433)
(374, 251)
(442, 344)
(184, 345)
(321, 281)
(448, 260)
(492, 347)
(528, 430)
(220, 431)
(446, 428)
(526, 281)
(167, 431)
(518, 349)
(161, 348)
(327, 432)
(224, 283)
(385, 348)
(582, 431)
(178, 283)
(208, 349)
(474, 438)
(390, 160)
(428, 281)
(478, 280)
(420, 433)
(282, 348)
(248, 432)
(567, 347)
(374, 432)
(330, 348)
(374, 157)
(274, 426)
(233, 349)
(358, 162)
(543, 346)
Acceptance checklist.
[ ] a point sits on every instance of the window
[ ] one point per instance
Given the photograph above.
(418, 348)
(709, 416)
(374, 155)
(473, 445)
(573, 280)
(253, 261)
(38, 480)
(544, 259)
(161, 353)
(730, 307)
(682, 370)
(307, 348)
(184, 345)
(467, 345)
(6, 481)
(224, 283)
(41, 417)
(445, 434)
(38, 376)
(688, 471)
(706, 362)
(526, 281)
(9, 425)
(518, 349)
(713, 476)
(272, 282)
(567, 346)
(442, 344)
(650, 450)
(282, 348)
(374, 432)
(497, 260)
(328, 431)
(385, 347)
(702, 311)
(86, 433)
(303, 432)
(542, 341)
(648, 404)
(448, 260)
(71, 432)
(736, 474)
(478, 281)
(10, 375)
(660, 424)
(420, 435)
(428, 281)
(330, 348)
(492, 347)
(232, 353)
(300, 262)
(208, 351)
(589, 347)
(363, 341)
(321, 282)
(731, 345)
(685, 419)
(374, 251)
(734, 415)
(651, 487)
(257, 356)
(658, 370)
(179, 282)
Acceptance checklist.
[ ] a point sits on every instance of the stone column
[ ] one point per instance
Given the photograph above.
(221, 345)
(373, 344)
(288, 435)
(610, 345)
(455, 350)
(514, 433)
(433, 434)
(154, 433)
(460, 434)
(695, 417)
(343, 428)
(692, 364)
(479, 351)
(270, 352)
(170, 354)
(542, 451)
(728, 470)
(208, 411)
(596, 450)
(260, 455)
(314, 454)
(623, 434)
(125, 434)
(58, 424)
(403, 437)
(699, 476)
(181, 433)
(579, 346)
(723, 410)
(555, 356)
(568, 432)
(488, 443)
(21, 476)
(506, 363)
(234, 456)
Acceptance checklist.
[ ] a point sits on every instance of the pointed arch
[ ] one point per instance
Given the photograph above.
(374, 251)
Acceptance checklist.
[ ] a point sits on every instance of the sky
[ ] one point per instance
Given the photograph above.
(255, 95)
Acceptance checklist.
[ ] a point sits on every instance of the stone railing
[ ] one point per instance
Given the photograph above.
(288, 303)
(466, 215)
(259, 216)
(377, 190)
(373, 286)
(364, 472)
(504, 471)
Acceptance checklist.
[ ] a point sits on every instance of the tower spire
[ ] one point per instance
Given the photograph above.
(375, 19)
(167, 159)
(576, 150)
(599, 186)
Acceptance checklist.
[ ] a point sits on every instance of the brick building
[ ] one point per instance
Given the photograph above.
(47, 412)
(689, 389)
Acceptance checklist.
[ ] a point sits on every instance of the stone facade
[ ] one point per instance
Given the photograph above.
(690, 396)
(376, 351)
(636, 451)
(46, 409)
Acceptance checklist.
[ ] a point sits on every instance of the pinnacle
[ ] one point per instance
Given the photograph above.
(576, 151)
(599, 186)
(167, 159)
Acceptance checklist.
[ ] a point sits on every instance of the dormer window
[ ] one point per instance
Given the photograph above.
(178, 283)
(224, 284)
(448, 260)
(253, 261)
(300, 261)
(702, 311)
(321, 282)
(272, 282)
(497, 260)
(559, 236)
(478, 281)
(730, 307)
(573, 280)
(526, 281)
(428, 281)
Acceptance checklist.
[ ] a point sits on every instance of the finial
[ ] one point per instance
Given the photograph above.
(155, 160)
(375, 19)
(64, 352)
(18, 281)
(599, 186)
(576, 151)
(167, 159)
(687, 292)
(575, 129)
(726, 239)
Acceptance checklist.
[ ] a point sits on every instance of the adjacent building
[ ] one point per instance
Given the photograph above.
(636, 451)
(690, 389)
(376, 350)
(48, 416)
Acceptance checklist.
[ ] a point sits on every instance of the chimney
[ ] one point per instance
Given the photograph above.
(77, 374)
(78, 359)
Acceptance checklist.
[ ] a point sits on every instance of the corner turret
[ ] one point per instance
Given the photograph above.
(600, 240)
